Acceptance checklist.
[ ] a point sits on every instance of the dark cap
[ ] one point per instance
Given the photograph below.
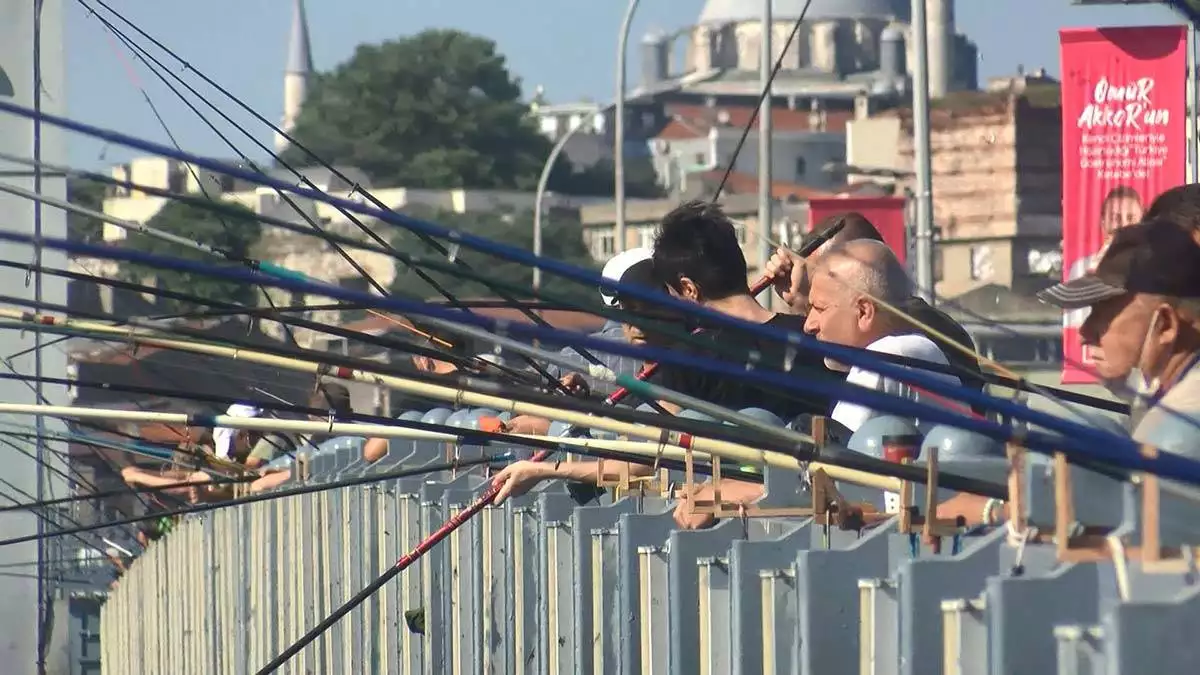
(1156, 257)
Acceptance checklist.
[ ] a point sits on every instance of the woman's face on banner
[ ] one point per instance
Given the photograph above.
(1118, 213)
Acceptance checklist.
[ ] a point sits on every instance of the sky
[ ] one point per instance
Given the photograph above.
(567, 46)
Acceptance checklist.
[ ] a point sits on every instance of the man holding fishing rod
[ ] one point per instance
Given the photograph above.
(697, 257)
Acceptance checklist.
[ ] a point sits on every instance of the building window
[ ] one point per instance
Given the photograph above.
(646, 236)
(701, 159)
(801, 168)
(982, 267)
(740, 228)
(177, 179)
(604, 244)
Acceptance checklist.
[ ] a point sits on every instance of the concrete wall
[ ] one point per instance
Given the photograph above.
(19, 609)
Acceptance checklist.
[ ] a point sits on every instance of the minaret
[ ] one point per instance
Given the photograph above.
(295, 78)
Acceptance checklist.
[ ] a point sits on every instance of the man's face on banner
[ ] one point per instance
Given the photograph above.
(1118, 213)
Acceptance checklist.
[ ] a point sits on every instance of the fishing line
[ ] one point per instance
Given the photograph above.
(190, 169)
(329, 358)
(1106, 444)
(911, 376)
(78, 478)
(42, 399)
(762, 99)
(627, 318)
(43, 516)
(366, 338)
(271, 496)
(429, 240)
(189, 346)
(143, 55)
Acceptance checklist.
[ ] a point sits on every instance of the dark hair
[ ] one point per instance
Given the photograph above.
(1180, 205)
(1120, 192)
(698, 241)
(334, 396)
(855, 226)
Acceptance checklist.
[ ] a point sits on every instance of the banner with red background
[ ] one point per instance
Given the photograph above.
(1124, 141)
(886, 213)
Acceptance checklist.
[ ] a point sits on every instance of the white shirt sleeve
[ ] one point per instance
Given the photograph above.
(851, 415)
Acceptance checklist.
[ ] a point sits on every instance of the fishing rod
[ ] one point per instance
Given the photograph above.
(1012, 381)
(105, 494)
(42, 517)
(271, 496)
(738, 451)
(1110, 445)
(330, 358)
(488, 497)
(921, 412)
(1071, 436)
(366, 338)
(151, 62)
(255, 264)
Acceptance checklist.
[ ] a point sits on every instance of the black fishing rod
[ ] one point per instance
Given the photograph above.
(123, 492)
(270, 496)
(433, 243)
(468, 436)
(329, 358)
(695, 428)
(157, 67)
(366, 338)
(404, 562)
(953, 369)
(41, 515)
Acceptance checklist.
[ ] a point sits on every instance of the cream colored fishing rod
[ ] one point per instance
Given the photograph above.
(456, 396)
(776, 460)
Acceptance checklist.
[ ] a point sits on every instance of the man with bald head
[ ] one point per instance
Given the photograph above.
(793, 279)
(851, 284)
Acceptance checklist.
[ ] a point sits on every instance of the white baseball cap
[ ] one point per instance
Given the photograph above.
(223, 436)
(628, 267)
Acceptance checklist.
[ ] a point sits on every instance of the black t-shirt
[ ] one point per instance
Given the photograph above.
(737, 394)
(966, 367)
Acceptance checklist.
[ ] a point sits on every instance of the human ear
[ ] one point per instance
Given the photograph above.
(865, 310)
(688, 289)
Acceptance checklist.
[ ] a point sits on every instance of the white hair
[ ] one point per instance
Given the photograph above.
(868, 267)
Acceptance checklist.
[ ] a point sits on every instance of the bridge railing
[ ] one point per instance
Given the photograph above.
(545, 584)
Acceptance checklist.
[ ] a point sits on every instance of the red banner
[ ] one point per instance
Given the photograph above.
(885, 213)
(1124, 141)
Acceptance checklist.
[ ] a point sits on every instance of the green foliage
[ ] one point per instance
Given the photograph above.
(89, 195)
(438, 110)
(561, 240)
(641, 181)
(227, 232)
(435, 110)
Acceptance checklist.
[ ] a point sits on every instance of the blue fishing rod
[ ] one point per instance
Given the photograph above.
(1121, 448)
(1071, 437)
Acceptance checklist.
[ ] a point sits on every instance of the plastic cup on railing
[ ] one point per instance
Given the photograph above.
(899, 448)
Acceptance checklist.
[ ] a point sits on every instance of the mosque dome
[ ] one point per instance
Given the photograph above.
(739, 11)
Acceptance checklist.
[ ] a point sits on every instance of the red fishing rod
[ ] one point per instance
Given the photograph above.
(457, 520)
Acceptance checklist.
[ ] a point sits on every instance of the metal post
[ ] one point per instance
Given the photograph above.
(619, 124)
(43, 589)
(541, 190)
(765, 216)
(1193, 151)
(921, 153)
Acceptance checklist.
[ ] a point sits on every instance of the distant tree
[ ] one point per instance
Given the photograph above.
(227, 232)
(89, 195)
(435, 110)
(439, 109)
(562, 240)
(599, 179)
